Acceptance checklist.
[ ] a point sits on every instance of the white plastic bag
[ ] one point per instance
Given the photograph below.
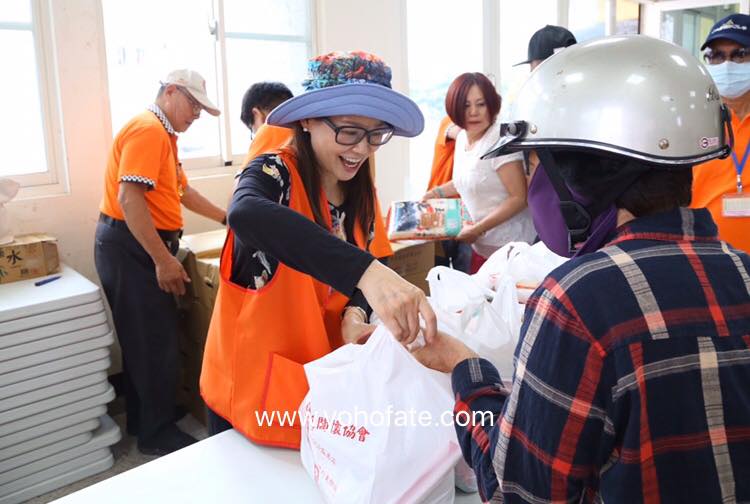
(8, 190)
(362, 437)
(527, 265)
(464, 311)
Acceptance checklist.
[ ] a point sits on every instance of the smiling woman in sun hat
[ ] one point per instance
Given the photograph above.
(297, 275)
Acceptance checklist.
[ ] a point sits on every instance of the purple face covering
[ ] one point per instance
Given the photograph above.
(544, 204)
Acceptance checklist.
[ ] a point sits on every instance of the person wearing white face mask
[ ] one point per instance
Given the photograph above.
(723, 185)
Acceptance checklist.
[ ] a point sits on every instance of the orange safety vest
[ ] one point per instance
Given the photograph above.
(442, 159)
(259, 340)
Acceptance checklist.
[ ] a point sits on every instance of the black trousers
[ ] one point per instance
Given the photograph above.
(146, 319)
(216, 423)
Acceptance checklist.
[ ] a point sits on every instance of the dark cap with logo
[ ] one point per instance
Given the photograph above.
(546, 41)
(735, 28)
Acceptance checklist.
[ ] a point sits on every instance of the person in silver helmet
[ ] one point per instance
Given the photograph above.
(631, 371)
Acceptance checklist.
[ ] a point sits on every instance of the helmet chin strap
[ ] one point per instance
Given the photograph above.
(578, 218)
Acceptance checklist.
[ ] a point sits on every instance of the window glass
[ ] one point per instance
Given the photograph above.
(143, 49)
(272, 47)
(586, 19)
(271, 17)
(627, 18)
(22, 119)
(689, 27)
(443, 42)
(516, 28)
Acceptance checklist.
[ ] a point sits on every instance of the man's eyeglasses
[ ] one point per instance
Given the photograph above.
(740, 55)
(197, 107)
(352, 135)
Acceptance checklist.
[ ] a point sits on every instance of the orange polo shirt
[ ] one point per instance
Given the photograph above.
(442, 159)
(267, 139)
(144, 152)
(714, 179)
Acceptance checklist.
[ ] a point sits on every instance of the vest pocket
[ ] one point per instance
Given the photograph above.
(285, 388)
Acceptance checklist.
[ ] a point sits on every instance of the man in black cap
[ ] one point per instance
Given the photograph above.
(721, 185)
(546, 42)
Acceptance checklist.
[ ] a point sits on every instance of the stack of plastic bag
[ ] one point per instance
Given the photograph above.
(520, 264)
(378, 426)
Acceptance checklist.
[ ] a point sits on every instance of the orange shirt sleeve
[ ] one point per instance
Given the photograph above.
(140, 155)
(380, 246)
(268, 139)
(442, 159)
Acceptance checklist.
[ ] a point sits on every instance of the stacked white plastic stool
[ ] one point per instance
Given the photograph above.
(54, 357)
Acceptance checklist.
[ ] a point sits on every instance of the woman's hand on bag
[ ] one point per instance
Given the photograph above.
(469, 233)
(397, 303)
(443, 353)
(354, 328)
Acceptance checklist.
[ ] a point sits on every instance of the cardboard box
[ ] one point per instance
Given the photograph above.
(28, 256)
(412, 260)
(201, 262)
(207, 244)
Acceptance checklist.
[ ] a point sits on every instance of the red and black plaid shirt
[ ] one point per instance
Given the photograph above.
(632, 378)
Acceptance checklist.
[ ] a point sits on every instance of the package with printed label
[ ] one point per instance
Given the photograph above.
(28, 256)
(432, 219)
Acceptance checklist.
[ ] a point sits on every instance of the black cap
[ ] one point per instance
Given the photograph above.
(546, 41)
(734, 27)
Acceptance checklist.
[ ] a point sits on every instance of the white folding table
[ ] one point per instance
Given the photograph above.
(223, 468)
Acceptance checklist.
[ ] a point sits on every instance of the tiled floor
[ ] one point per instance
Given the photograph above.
(126, 456)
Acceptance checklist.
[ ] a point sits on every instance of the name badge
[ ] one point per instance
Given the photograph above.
(736, 205)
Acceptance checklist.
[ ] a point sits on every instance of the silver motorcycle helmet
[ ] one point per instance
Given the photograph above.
(633, 96)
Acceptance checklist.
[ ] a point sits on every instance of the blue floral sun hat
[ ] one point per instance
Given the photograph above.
(350, 83)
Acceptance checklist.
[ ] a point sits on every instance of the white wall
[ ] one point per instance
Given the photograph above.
(80, 53)
(378, 27)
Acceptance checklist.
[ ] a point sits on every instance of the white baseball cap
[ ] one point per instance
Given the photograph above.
(195, 84)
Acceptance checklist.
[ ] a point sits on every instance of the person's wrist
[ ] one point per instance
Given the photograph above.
(356, 313)
(224, 220)
(439, 192)
(460, 355)
(162, 256)
(364, 280)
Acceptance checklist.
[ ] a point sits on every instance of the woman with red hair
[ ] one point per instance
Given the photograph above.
(493, 190)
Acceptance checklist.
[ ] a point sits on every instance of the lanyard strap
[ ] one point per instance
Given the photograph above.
(740, 166)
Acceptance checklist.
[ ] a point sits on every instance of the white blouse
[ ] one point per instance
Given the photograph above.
(478, 183)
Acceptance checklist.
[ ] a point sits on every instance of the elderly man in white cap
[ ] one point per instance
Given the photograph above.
(138, 233)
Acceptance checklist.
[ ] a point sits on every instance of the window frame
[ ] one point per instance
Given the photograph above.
(54, 179)
(216, 165)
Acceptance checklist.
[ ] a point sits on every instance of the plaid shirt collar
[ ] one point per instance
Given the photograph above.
(163, 118)
(681, 224)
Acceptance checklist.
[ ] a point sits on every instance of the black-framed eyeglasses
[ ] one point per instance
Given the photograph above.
(739, 55)
(352, 135)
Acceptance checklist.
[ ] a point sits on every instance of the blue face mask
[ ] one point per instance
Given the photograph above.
(732, 79)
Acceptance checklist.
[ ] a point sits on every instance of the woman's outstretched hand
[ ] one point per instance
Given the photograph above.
(397, 303)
